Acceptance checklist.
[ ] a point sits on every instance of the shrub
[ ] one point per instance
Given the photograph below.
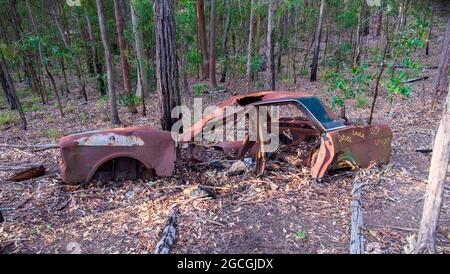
(32, 105)
(200, 88)
(8, 118)
(362, 101)
(52, 133)
(68, 109)
(85, 116)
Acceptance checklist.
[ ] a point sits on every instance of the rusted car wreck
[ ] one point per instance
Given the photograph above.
(141, 152)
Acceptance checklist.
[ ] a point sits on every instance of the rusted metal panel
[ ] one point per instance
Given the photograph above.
(359, 146)
(84, 153)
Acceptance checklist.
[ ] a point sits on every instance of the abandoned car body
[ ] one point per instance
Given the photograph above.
(144, 151)
(120, 153)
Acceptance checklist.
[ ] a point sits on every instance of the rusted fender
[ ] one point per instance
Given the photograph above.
(83, 153)
(359, 146)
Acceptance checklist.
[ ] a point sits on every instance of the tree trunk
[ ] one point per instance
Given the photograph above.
(365, 26)
(136, 16)
(270, 71)
(184, 66)
(251, 41)
(427, 47)
(357, 53)
(97, 63)
(63, 70)
(123, 58)
(441, 83)
(52, 81)
(225, 43)
(125, 8)
(202, 41)
(327, 33)
(283, 39)
(41, 60)
(109, 63)
(166, 61)
(5, 87)
(380, 73)
(89, 56)
(308, 49)
(12, 91)
(44, 65)
(378, 22)
(18, 74)
(401, 20)
(212, 45)
(258, 22)
(426, 242)
(65, 39)
(315, 61)
(31, 77)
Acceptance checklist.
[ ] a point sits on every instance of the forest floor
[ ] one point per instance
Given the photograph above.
(282, 212)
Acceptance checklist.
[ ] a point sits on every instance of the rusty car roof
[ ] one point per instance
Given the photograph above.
(323, 116)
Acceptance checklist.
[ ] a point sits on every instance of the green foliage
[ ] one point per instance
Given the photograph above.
(256, 63)
(200, 88)
(69, 109)
(194, 59)
(52, 133)
(8, 118)
(362, 101)
(31, 104)
(32, 108)
(348, 84)
(395, 85)
(348, 17)
(259, 85)
(126, 100)
(301, 234)
(84, 116)
(303, 72)
(102, 102)
(404, 45)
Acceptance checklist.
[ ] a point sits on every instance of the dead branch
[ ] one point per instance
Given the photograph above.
(214, 222)
(29, 173)
(415, 79)
(32, 148)
(356, 236)
(169, 234)
(402, 228)
(424, 150)
(7, 168)
(398, 66)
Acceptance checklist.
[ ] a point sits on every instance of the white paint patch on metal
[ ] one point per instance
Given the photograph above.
(110, 139)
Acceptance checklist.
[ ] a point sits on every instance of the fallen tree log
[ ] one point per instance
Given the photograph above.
(32, 148)
(27, 174)
(169, 234)
(415, 79)
(424, 150)
(398, 66)
(7, 168)
(356, 236)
